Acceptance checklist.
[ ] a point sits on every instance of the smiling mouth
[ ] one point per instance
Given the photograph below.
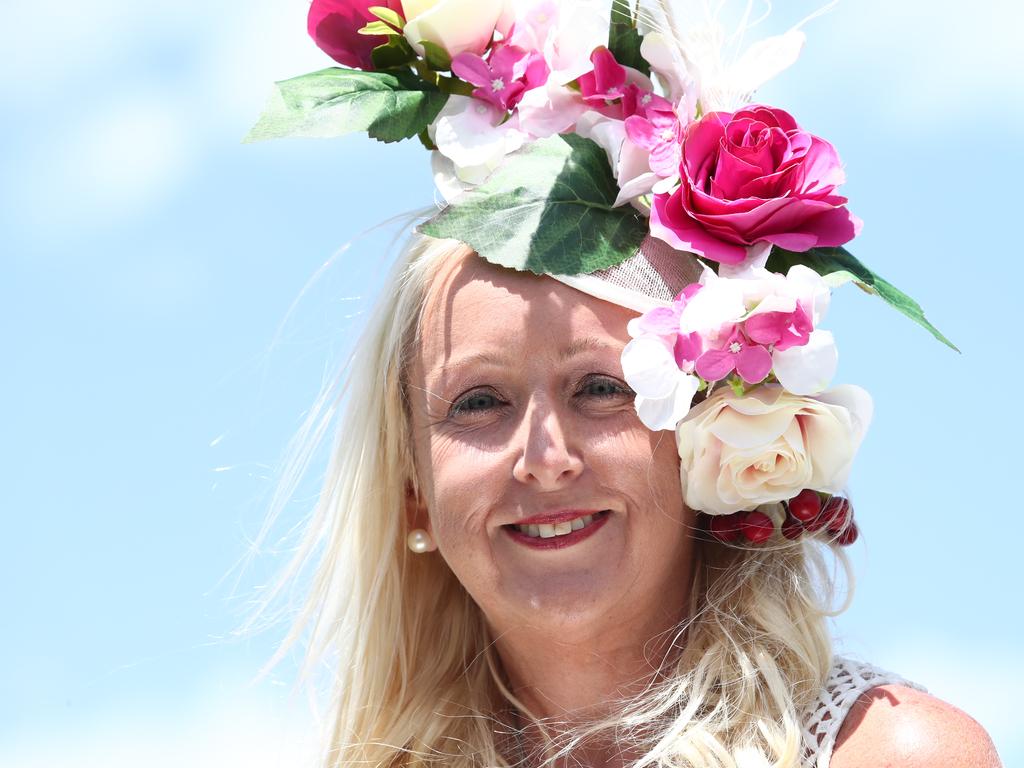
(557, 535)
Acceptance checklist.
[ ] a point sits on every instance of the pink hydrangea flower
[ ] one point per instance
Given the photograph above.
(504, 76)
(751, 361)
(606, 82)
(651, 123)
(664, 322)
(780, 330)
(658, 364)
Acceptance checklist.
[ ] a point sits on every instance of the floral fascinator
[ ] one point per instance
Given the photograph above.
(611, 146)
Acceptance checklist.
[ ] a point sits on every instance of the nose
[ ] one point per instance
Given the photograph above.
(548, 459)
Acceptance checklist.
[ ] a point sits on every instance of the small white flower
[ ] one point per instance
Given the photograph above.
(470, 133)
(808, 369)
(664, 393)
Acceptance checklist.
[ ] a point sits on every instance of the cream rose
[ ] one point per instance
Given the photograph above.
(455, 25)
(737, 453)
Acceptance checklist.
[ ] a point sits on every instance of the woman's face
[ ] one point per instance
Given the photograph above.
(547, 497)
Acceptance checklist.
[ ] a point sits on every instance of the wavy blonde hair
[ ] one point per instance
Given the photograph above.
(412, 674)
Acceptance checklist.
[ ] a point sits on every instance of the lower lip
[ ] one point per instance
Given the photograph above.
(559, 542)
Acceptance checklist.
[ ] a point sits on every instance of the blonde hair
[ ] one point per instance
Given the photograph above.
(414, 680)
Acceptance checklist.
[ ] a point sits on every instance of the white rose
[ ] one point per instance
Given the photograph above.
(737, 453)
(455, 25)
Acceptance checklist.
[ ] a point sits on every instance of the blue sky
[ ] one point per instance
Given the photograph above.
(160, 350)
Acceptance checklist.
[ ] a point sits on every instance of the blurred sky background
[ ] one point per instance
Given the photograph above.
(159, 351)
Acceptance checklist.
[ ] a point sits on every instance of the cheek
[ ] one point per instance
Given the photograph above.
(465, 484)
(645, 466)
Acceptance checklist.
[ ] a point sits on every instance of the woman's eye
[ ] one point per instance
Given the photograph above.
(475, 402)
(603, 386)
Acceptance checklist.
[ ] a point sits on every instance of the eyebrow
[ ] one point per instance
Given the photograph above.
(574, 349)
(479, 358)
(579, 346)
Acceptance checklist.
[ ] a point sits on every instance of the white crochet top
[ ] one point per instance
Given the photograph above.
(847, 680)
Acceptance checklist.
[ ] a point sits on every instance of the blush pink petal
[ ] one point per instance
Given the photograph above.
(640, 131)
(715, 364)
(767, 327)
(753, 363)
(660, 321)
(779, 329)
(664, 159)
(606, 81)
(688, 348)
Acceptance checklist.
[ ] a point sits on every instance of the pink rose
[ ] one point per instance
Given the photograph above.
(334, 26)
(753, 176)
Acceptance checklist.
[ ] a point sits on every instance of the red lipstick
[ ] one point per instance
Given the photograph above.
(558, 541)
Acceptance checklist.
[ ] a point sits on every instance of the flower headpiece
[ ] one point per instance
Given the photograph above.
(576, 140)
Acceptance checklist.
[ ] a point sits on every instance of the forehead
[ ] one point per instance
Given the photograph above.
(474, 306)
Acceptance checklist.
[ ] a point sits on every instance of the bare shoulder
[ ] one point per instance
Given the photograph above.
(892, 725)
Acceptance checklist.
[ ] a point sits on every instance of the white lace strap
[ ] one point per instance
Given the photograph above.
(822, 720)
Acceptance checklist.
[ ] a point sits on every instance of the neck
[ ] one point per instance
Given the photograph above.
(567, 679)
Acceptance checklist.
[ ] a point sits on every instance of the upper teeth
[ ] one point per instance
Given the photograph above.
(548, 530)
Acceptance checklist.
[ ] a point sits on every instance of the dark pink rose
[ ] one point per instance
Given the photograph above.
(334, 25)
(751, 177)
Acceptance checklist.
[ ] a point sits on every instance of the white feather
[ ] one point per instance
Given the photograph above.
(726, 71)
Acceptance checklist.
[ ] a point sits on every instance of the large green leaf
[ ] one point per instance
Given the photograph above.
(624, 39)
(548, 209)
(838, 265)
(332, 102)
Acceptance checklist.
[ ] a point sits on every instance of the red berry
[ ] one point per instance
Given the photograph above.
(805, 506)
(837, 514)
(849, 535)
(792, 528)
(758, 527)
(823, 517)
(725, 528)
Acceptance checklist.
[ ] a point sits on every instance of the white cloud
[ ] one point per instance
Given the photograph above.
(936, 58)
(213, 731)
(122, 106)
(121, 157)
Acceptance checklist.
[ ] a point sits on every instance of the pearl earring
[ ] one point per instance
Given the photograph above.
(419, 541)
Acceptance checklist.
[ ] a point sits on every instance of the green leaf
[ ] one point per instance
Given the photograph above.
(336, 101)
(396, 53)
(547, 209)
(436, 56)
(837, 266)
(385, 14)
(624, 39)
(376, 28)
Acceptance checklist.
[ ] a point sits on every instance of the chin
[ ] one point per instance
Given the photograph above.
(564, 587)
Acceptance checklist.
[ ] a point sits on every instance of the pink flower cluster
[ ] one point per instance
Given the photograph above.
(742, 329)
(504, 76)
(727, 186)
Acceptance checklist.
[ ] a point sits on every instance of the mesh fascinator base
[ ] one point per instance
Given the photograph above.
(652, 277)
